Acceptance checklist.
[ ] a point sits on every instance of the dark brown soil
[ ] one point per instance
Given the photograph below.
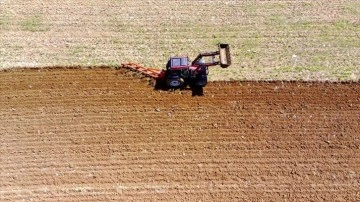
(100, 134)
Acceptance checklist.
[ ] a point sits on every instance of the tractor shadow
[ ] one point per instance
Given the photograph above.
(197, 91)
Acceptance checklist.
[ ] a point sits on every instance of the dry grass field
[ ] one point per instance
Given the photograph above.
(270, 40)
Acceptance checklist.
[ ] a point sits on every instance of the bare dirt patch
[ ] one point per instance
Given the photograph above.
(98, 134)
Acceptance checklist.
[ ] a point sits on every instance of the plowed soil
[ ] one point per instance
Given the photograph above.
(102, 134)
(269, 39)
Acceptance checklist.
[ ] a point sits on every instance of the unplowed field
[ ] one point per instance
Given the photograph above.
(102, 134)
(269, 39)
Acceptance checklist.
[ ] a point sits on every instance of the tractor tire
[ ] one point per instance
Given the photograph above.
(200, 83)
(175, 82)
(200, 80)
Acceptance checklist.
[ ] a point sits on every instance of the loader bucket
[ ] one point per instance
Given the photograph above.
(224, 54)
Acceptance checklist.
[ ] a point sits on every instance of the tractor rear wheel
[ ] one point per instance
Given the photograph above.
(175, 82)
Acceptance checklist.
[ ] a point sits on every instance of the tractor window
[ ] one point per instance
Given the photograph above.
(179, 62)
(175, 62)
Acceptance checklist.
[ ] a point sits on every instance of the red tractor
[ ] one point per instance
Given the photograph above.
(180, 72)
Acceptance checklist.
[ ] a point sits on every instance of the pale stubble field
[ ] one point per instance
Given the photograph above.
(270, 40)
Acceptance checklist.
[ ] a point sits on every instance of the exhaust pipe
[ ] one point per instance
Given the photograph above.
(224, 54)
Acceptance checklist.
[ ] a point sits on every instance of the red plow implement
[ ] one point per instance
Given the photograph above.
(151, 72)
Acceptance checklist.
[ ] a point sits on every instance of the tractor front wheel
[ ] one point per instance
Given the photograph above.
(200, 80)
(201, 83)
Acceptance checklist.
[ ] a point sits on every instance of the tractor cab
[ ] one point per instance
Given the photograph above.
(177, 71)
(177, 63)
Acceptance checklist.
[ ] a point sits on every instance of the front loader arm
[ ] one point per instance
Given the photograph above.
(224, 57)
(197, 60)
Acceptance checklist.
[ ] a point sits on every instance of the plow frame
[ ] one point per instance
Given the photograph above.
(151, 72)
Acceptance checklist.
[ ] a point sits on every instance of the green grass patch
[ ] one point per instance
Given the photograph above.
(33, 24)
(345, 73)
(277, 19)
(346, 25)
(4, 22)
(352, 8)
(77, 50)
